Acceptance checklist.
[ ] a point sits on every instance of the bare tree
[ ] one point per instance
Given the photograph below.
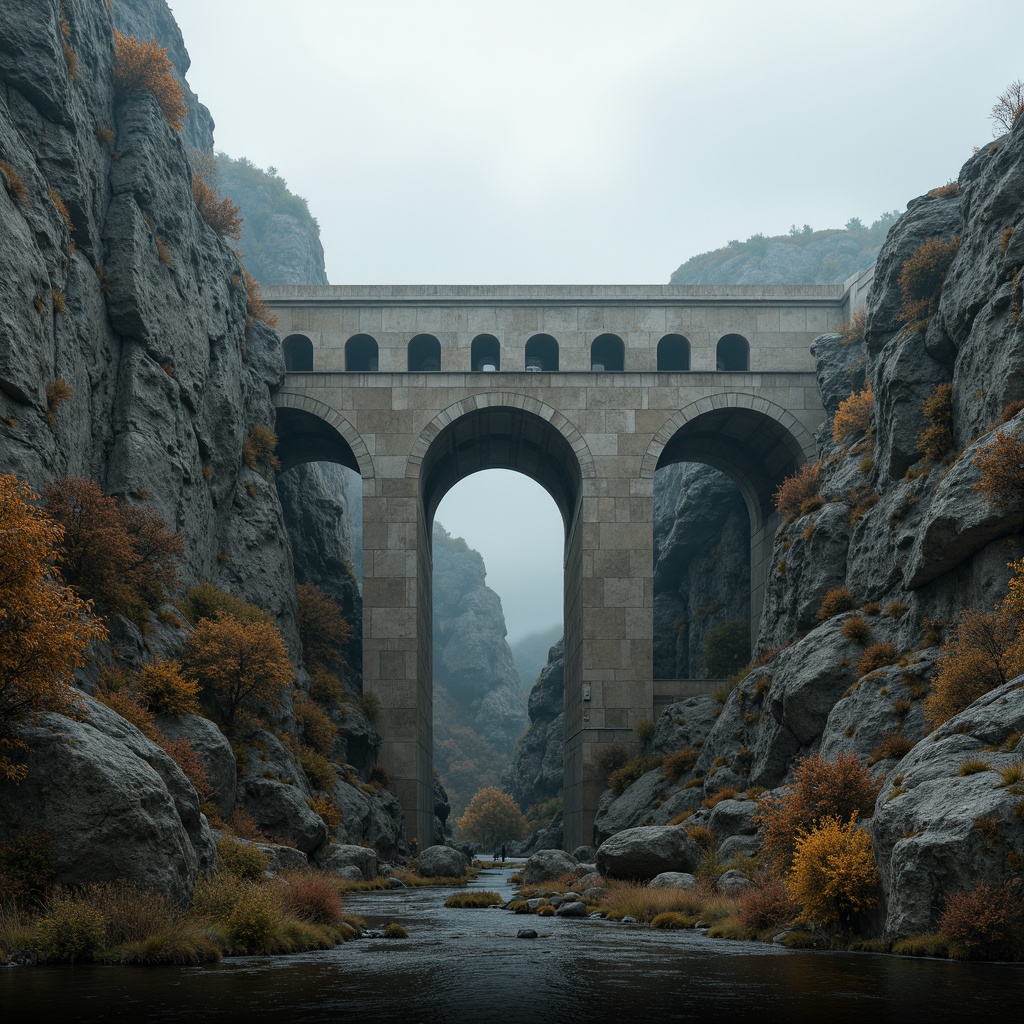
(1008, 106)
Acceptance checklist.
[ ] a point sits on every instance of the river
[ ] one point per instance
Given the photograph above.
(469, 966)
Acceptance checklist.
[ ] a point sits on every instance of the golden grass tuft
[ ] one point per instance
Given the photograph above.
(145, 67)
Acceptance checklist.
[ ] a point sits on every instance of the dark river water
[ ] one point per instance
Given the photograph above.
(468, 965)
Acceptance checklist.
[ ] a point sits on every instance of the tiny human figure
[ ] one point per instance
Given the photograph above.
(502, 853)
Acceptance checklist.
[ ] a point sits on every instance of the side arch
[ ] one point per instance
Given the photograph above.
(310, 431)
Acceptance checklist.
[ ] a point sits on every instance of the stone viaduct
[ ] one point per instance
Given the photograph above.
(588, 390)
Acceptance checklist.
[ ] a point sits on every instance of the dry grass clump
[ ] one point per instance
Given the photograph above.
(259, 446)
(221, 214)
(313, 896)
(835, 602)
(853, 417)
(610, 757)
(892, 745)
(800, 493)
(678, 763)
(937, 438)
(61, 209)
(145, 67)
(1001, 464)
(852, 332)
(256, 307)
(622, 778)
(857, 628)
(877, 656)
(395, 931)
(949, 189)
(923, 276)
(636, 900)
(973, 766)
(15, 184)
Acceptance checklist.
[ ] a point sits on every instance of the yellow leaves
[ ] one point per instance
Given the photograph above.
(145, 67)
(45, 627)
(1001, 464)
(323, 628)
(853, 417)
(833, 873)
(492, 817)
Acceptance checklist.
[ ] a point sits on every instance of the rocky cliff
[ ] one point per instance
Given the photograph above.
(900, 523)
(115, 288)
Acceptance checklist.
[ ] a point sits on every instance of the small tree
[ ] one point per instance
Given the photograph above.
(323, 629)
(44, 626)
(853, 417)
(1008, 107)
(492, 817)
(1001, 464)
(240, 665)
(145, 67)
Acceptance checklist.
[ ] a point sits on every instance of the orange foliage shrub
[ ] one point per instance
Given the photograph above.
(130, 708)
(983, 652)
(923, 276)
(317, 728)
(842, 787)
(221, 214)
(145, 67)
(165, 690)
(240, 665)
(122, 556)
(986, 922)
(323, 628)
(876, 656)
(797, 494)
(1001, 464)
(767, 905)
(312, 896)
(835, 601)
(185, 757)
(492, 817)
(45, 627)
(937, 438)
(678, 763)
(853, 417)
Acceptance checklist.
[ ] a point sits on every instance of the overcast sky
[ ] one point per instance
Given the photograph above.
(581, 141)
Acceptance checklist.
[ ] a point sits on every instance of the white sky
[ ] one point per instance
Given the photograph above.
(589, 141)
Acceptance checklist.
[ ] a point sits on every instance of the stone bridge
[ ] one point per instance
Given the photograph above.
(588, 390)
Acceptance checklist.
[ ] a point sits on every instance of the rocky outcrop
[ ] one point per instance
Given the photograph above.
(548, 864)
(643, 853)
(112, 802)
(441, 862)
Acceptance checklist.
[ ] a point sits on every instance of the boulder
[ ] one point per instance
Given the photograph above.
(673, 880)
(738, 846)
(282, 812)
(282, 858)
(732, 881)
(441, 862)
(548, 864)
(214, 751)
(733, 818)
(337, 858)
(585, 854)
(572, 909)
(642, 853)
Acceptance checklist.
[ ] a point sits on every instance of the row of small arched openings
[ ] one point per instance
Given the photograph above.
(607, 353)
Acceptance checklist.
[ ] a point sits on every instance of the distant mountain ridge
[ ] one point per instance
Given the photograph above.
(803, 256)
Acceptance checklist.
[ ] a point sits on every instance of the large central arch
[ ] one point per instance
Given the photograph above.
(493, 431)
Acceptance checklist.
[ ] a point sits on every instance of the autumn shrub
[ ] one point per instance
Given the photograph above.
(923, 275)
(892, 745)
(540, 812)
(767, 904)
(326, 686)
(45, 627)
(678, 763)
(240, 665)
(122, 556)
(326, 808)
(26, 865)
(852, 332)
(166, 690)
(318, 769)
(15, 184)
(258, 447)
(145, 67)
(835, 602)
(986, 922)
(982, 652)
(853, 417)
(1001, 467)
(639, 765)
(610, 757)
(877, 656)
(840, 788)
(221, 214)
(937, 438)
(242, 824)
(395, 931)
(313, 896)
(368, 705)
(799, 492)
(256, 307)
(317, 728)
(491, 817)
(252, 923)
(70, 930)
(243, 860)
(645, 730)
(857, 628)
(205, 600)
(323, 628)
(833, 874)
(188, 760)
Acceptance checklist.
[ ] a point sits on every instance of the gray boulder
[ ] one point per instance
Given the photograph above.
(574, 908)
(738, 846)
(214, 751)
(585, 854)
(684, 724)
(339, 857)
(282, 858)
(282, 812)
(732, 881)
(733, 818)
(673, 880)
(548, 864)
(441, 862)
(642, 853)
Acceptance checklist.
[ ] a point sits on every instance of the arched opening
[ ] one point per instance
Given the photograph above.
(733, 353)
(485, 354)
(497, 546)
(298, 353)
(541, 354)
(714, 484)
(361, 354)
(673, 354)
(607, 353)
(424, 354)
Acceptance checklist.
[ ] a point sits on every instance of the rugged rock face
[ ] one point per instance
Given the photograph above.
(136, 304)
(914, 542)
(280, 237)
(701, 568)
